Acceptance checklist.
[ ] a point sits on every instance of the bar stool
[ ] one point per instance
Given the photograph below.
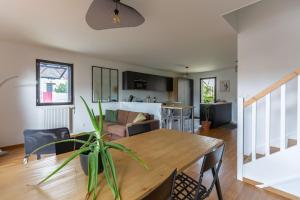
(165, 117)
(176, 117)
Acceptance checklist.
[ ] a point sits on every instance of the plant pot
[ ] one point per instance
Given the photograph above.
(84, 161)
(205, 125)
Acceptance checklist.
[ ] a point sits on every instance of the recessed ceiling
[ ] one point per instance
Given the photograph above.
(176, 33)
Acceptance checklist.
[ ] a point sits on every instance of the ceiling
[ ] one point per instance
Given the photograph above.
(176, 33)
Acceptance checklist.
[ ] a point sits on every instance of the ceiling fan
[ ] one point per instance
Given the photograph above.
(108, 14)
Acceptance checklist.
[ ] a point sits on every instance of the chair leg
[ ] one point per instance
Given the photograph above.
(217, 184)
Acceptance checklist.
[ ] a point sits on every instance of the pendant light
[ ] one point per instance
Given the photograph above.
(116, 17)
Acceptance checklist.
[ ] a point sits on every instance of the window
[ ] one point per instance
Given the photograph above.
(54, 83)
(208, 90)
(105, 84)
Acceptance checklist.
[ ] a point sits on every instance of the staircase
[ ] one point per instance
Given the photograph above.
(268, 152)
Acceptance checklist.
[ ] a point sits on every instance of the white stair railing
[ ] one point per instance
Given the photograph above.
(282, 117)
(240, 139)
(268, 124)
(252, 103)
(298, 111)
(253, 132)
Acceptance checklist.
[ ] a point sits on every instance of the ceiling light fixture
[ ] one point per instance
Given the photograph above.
(116, 17)
(109, 14)
(186, 71)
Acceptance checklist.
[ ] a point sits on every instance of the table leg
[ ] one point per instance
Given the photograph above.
(181, 119)
(169, 119)
(193, 121)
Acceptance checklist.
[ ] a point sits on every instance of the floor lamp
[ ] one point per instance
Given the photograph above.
(2, 153)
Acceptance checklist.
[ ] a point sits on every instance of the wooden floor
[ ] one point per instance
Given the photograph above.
(231, 188)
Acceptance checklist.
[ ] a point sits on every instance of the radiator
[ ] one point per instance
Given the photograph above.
(58, 117)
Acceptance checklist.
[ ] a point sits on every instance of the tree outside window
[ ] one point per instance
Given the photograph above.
(208, 90)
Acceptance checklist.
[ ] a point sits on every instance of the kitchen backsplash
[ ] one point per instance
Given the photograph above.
(142, 95)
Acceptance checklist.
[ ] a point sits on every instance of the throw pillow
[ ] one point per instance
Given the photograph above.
(139, 118)
(111, 116)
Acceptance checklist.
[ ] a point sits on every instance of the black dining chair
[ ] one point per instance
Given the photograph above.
(64, 147)
(34, 139)
(81, 137)
(187, 188)
(163, 191)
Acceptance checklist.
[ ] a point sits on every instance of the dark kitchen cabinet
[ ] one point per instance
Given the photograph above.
(219, 113)
(141, 81)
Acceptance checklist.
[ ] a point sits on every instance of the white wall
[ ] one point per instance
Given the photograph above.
(18, 109)
(221, 75)
(268, 49)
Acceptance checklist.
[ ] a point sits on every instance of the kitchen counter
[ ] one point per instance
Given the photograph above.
(178, 107)
(219, 113)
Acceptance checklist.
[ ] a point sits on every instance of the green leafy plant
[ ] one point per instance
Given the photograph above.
(208, 93)
(98, 149)
(61, 88)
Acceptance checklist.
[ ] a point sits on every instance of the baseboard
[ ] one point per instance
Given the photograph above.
(7, 148)
(282, 193)
(272, 190)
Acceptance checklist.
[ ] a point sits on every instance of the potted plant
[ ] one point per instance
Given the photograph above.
(206, 124)
(95, 156)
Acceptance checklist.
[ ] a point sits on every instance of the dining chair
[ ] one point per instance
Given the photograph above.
(164, 190)
(165, 117)
(65, 147)
(187, 188)
(81, 137)
(34, 139)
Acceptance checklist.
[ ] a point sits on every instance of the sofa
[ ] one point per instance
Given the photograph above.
(125, 120)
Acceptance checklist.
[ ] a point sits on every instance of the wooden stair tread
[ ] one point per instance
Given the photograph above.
(274, 150)
(292, 142)
(249, 158)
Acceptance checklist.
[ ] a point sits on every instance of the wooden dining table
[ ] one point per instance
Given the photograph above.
(163, 150)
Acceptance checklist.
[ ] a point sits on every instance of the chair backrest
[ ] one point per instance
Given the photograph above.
(64, 147)
(81, 137)
(211, 161)
(34, 139)
(164, 113)
(185, 113)
(138, 129)
(212, 158)
(163, 191)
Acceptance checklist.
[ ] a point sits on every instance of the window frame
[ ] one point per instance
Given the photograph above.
(38, 102)
(215, 95)
(110, 69)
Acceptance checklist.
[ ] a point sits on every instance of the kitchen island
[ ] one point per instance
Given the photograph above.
(219, 113)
